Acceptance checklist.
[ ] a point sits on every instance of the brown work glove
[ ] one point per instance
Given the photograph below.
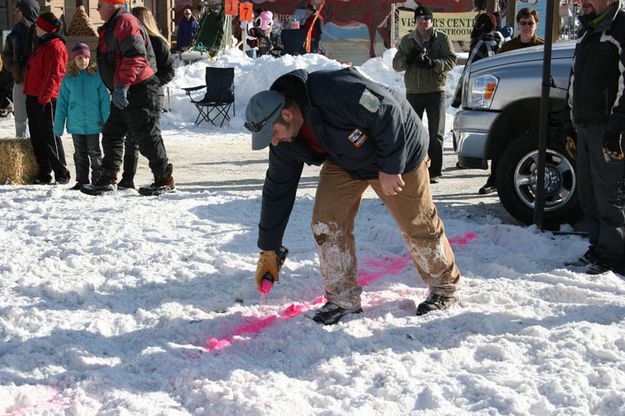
(267, 263)
(571, 147)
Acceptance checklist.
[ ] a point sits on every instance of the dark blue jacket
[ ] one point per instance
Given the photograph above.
(19, 43)
(334, 104)
(186, 32)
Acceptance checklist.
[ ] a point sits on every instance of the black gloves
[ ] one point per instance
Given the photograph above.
(411, 56)
(424, 61)
(420, 58)
(613, 145)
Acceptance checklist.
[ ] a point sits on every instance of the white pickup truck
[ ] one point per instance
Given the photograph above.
(499, 119)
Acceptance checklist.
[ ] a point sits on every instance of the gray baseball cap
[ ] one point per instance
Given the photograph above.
(262, 111)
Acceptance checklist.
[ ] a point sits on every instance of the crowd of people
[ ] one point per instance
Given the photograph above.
(363, 135)
(118, 98)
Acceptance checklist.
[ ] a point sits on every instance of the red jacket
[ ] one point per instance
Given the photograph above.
(46, 68)
(125, 54)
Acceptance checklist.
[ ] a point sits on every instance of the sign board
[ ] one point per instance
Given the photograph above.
(457, 26)
(231, 7)
(246, 12)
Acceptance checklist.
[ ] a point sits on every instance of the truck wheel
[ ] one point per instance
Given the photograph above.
(516, 182)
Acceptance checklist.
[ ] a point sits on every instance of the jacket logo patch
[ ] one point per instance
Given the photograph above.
(357, 138)
(369, 101)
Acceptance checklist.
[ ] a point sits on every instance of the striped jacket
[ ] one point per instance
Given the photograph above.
(596, 85)
(125, 54)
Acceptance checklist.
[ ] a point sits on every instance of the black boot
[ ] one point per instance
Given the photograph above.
(126, 184)
(489, 187)
(588, 258)
(331, 313)
(106, 183)
(161, 185)
(435, 302)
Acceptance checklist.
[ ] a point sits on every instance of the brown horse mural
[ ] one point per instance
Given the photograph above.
(371, 13)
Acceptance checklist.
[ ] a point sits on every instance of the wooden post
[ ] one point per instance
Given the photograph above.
(392, 17)
(556, 21)
(511, 15)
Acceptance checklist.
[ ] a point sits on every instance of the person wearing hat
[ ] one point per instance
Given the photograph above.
(527, 21)
(485, 38)
(597, 112)
(42, 80)
(187, 28)
(363, 134)
(17, 49)
(313, 24)
(127, 65)
(84, 104)
(427, 55)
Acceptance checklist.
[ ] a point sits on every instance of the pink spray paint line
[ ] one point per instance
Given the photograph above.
(462, 241)
(366, 277)
(397, 264)
(259, 324)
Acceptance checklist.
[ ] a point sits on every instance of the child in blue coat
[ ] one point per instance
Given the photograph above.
(84, 102)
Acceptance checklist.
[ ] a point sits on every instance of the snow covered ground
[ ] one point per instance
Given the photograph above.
(126, 305)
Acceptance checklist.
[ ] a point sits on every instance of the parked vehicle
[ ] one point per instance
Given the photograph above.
(499, 119)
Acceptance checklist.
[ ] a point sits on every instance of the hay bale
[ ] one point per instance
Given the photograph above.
(17, 162)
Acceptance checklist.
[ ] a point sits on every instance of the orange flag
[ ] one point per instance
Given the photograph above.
(231, 7)
(246, 12)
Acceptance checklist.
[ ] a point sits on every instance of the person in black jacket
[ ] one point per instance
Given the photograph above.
(597, 105)
(364, 135)
(164, 73)
(17, 50)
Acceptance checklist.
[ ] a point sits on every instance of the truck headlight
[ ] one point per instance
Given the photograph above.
(481, 91)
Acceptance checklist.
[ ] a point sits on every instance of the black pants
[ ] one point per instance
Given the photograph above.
(601, 193)
(87, 152)
(492, 178)
(47, 147)
(131, 160)
(434, 105)
(131, 148)
(140, 120)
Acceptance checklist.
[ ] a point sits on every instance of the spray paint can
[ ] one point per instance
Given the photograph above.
(268, 278)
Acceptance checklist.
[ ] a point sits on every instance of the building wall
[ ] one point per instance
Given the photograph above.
(162, 9)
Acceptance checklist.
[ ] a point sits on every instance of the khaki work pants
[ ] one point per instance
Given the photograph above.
(336, 204)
